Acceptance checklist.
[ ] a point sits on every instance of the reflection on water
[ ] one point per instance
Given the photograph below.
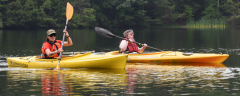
(52, 84)
(67, 82)
(180, 79)
(136, 79)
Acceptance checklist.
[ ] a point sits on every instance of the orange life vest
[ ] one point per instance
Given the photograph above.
(52, 46)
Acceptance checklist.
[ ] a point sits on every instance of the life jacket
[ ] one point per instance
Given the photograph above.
(132, 47)
(54, 46)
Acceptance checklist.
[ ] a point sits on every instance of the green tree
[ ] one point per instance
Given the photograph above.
(229, 8)
(189, 13)
(112, 13)
(44, 14)
(210, 12)
(84, 14)
(120, 13)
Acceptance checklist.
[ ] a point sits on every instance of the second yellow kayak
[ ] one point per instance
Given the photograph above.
(175, 57)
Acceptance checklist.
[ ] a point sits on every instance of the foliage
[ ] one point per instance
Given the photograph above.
(210, 12)
(189, 13)
(234, 20)
(229, 8)
(207, 23)
(114, 13)
(41, 14)
(86, 19)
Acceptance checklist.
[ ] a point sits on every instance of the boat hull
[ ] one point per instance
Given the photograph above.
(175, 57)
(86, 60)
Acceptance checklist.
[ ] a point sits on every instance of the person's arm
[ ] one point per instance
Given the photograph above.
(51, 54)
(140, 50)
(69, 40)
(123, 45)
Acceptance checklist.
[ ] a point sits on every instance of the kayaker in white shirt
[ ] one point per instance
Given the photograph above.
(128, 45)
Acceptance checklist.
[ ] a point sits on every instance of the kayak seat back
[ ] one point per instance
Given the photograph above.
(187, 54)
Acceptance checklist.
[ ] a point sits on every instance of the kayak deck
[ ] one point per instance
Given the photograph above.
(175, 57)
(86, 60)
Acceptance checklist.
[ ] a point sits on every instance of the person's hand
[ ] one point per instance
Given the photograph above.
(130, 40)
(60, 50)
(144, 45)
(66, 33)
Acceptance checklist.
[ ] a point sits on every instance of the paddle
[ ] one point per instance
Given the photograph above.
(69, 13)
(108, 34)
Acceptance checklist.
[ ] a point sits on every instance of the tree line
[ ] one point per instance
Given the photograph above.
(115, 13)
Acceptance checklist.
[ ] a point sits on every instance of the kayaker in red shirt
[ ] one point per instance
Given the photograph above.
(52, 47)
(129, 46)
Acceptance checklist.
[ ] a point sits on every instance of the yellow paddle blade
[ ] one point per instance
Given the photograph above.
(69, 11)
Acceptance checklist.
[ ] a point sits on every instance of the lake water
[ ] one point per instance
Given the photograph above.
(141, 79)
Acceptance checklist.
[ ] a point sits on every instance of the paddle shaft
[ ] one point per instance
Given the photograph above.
(77, 52)
(136, 42)
(59, 59)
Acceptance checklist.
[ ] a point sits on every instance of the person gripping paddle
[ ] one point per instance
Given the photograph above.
(51, 47)
(128, 45)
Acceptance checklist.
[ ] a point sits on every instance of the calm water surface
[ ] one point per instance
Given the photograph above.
(141, 79)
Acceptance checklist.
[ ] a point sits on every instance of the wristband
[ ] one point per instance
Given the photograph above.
(68, 36)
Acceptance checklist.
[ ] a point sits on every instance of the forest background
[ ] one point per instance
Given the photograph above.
(115, 13)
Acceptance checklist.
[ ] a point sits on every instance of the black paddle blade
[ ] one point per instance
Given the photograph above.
(104, 32)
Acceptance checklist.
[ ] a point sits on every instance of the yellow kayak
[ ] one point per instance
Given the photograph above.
(186, 65)
(86, 60)
(175, 57)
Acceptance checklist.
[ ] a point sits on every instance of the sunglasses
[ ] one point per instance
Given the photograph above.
(51, 35)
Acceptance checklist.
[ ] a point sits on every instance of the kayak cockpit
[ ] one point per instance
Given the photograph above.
(68, 54)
